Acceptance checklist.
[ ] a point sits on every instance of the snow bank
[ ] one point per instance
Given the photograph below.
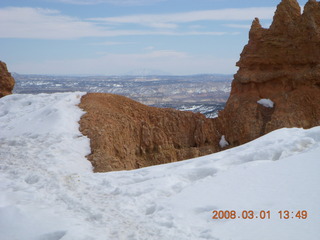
(44, 127)
(48, 191)
(266, 103)
(223, 142)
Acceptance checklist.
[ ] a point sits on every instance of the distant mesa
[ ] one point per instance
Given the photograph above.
(146, 72)
(6, 81)
(277, 85)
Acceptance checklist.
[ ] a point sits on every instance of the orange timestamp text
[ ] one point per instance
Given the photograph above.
(263, 214)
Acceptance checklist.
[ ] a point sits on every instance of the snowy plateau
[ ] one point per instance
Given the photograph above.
(48, 190)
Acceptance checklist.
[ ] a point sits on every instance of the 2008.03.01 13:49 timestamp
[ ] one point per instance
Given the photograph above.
(250, 214)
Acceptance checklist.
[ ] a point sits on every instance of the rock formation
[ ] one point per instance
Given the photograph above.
(279, 65)
(282, 64)
(6, 80)
(125, 134)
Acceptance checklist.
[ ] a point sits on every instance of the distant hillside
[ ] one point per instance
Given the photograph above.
(205, 93)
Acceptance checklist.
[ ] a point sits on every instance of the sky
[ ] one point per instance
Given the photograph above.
(120, 37)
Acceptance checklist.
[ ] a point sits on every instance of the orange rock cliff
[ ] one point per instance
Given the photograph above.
(6, 80)
(125, 134)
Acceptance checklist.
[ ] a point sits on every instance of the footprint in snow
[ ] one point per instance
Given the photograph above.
(52, 236)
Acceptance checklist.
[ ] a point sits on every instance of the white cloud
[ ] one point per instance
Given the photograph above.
(194, 16)
(149, 48)
(161, 25)
(170, 61)
(110, 43)
(114, 2)
(244, 26)
(38, 23)
(196, 26)
(41, 23)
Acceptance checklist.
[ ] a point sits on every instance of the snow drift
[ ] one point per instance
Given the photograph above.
(49, 192)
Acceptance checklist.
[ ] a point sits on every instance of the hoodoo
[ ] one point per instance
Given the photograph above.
(280, 65)
(6, 80)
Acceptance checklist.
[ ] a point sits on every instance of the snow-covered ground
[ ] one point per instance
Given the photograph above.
(49, 192)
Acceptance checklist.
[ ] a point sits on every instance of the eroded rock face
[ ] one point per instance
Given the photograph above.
(281, 63)
(125, 134)
(6, 80)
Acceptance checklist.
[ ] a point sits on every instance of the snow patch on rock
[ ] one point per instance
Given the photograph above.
(266, 103)
(223, 142)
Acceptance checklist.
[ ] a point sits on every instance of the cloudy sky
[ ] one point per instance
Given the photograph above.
(117, 37)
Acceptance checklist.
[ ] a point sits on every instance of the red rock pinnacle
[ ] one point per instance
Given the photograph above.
(6, 80)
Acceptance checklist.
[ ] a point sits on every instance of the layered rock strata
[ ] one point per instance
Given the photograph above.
(6, 80)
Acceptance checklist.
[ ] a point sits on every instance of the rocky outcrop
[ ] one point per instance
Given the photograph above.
(6, 80)
(282, 64)
(125, 134)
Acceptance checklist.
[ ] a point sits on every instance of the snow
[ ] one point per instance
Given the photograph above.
(49, 192)
(223, 142)
(266, 103)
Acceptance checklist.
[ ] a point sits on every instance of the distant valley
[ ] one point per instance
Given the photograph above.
(205, 93)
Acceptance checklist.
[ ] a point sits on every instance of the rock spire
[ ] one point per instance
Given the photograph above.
(6, 80)
(282, 64)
